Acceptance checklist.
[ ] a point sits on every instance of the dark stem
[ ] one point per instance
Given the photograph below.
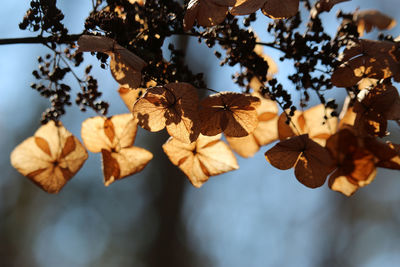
(40, 40)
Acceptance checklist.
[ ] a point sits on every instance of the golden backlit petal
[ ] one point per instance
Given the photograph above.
(217, 158)
(178, 151)
(93, 135)
(280, 9)
(55, 136)
(245, 146)
(182, 155)
(206, 157)
(73, 159)
(267, 108)
(130, 96)
(27, 157)
(32, 157)
(125, 128)
(150, 109)
(194, 170)
(342, 184)
(266, 131)
(183, 122)
(127, 162)
(320, 123)
(364, 165)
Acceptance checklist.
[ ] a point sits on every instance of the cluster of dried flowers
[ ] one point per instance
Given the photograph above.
(317, 144)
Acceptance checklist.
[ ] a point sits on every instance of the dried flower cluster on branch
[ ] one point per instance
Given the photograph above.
(163, 93)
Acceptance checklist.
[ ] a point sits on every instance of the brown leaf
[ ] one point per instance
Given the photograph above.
(50, 158)
(206, 12)
(280, 9)
(355, 164)
(368, 19)
(324, 6)
(276, 9)
(232, 113)
(126, 75)
(125, 66)
(92, 43)
(374, 109)
(388, 154)
(246, 7)
(367, 59)
(173, 106)
(206, 157)
(265, 132)
(312, 162)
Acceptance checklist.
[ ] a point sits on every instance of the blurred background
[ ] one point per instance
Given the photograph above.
(255, 216)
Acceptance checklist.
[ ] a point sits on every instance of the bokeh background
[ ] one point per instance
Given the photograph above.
(255, 216)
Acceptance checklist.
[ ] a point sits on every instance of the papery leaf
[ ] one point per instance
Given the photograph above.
(173, 106)
(206, 157)
(116, 132)
(206, 12)
(50, 158)
(312, 162)
(232, 113)
(368, 19)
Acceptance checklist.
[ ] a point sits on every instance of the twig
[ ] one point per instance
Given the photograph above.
(40, 40)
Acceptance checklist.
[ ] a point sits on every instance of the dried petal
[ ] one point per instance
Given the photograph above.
(173, 106)
(232, 113)
(316, 121)
(312, 162)
(206, 12)
(127, 162)
(324, 6)
(368, 19)
(50, 158)
(116, 132)
(367, 59)
(280, 9)
(125, 66)
(130, 96)
(265, 132)
(206, 157)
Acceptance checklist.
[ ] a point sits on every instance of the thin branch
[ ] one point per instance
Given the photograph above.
(40, 40)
